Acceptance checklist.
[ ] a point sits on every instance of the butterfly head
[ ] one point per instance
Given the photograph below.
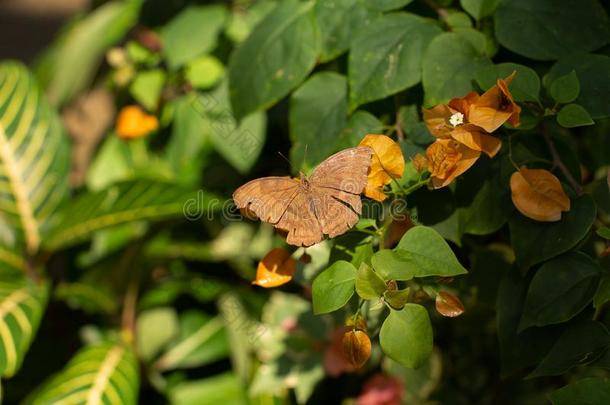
(304, 180)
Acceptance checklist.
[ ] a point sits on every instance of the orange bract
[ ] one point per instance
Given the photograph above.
(538, 194)
(447, 159)
(419, 162)
(495, 107)
(356, 347)
(133, 122)
(448, 304)
(275, 269)
(388, 163)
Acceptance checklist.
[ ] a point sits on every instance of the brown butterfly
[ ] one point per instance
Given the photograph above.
(327, 202)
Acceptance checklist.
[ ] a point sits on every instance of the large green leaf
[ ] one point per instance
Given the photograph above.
(219, 389)
(22, 303)
(333, 288)
(338, 22)
(318, 114)
(592, 73)
(449, 68)
(561, 288)
(71, 64)
(524, 87)
(535, 242)
(202, 340)
(386, 57)
(550, 29)
(275, 58)
(406, 336)
(479, 8)
(125, 202)
(191, 33)
(588, 391)
(103, 373)
(34, 156)
(421, 252)
(386, 5)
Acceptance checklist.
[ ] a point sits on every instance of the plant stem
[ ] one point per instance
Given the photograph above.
(559, 163)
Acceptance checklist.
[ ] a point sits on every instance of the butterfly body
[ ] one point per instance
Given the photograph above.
(325, 203)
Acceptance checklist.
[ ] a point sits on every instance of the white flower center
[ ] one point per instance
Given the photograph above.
(456, 119)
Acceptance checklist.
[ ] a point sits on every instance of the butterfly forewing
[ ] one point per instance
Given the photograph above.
(301, 222)
(267, 197)
(346, 170)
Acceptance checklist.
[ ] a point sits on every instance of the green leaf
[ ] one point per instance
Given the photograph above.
(204, 72)
(479, 8)
(369, 285)
(386, 57)
(535, 242)
(524, 27)
(354, 247)
(360, 123)
(92, 299)
(589, 391)
(574, 115)
(72, 63)
(406, 336)
(421, 252)
(592, 72)
(101, 373)
(279, 53)
(202, 340)
(339, 21)
(34, 157)
(318, 114)
(603, 232)
(580, 344)
(602, 295)
(219, 389)
(387, 5)
(155, 329)
(450, 65)
(565, 88)
(122, 203)
(561, 288)
(244, 18)
(146, 88)
(239, 143)
(333, 288)
(22, 303)
(524, 87)
(192, 33)
(397, 299)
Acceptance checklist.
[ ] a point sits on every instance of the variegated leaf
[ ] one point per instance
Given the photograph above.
(34, 158)
(103, 373)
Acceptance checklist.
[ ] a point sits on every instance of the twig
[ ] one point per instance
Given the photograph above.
(128, 317)
(437, 7)
(559, 163)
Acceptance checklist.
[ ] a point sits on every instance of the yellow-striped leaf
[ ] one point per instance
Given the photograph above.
(22, 303)
(34, 157)
(103, 373)
(125, 202)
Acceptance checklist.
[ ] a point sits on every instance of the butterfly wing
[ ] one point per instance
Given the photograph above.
(336, 185)
(301, 221)
(267, 197)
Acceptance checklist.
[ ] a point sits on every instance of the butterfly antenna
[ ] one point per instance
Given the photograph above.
(304, 156)
(286, 159)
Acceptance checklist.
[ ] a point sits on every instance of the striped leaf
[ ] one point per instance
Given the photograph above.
(103, 373)
(22, 303)
(34, 156)
(122, 203)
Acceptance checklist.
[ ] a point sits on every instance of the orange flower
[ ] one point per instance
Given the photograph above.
(538, 194)
(419, 162)
(447, 159)
(388, 163)
(450, 121)
(495, 107)
(133, 122)
(275, 269)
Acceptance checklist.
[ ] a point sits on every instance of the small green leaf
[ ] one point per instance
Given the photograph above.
(219, 389)
(277, 56)
(387, 5)
(580, 344)
(397, 299)
(192, 33)
(561, 288)
(369, 285)
(333, 288)
(535, 242)
(565, 88)
(593, 391)
(406, 336)
(204, 72)
(574, 115)
(603, 232)
(421, 252)
(458, 20)
(146, 88)
(155, 328)
(602, 295)
(479, 8)
(386, 57)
